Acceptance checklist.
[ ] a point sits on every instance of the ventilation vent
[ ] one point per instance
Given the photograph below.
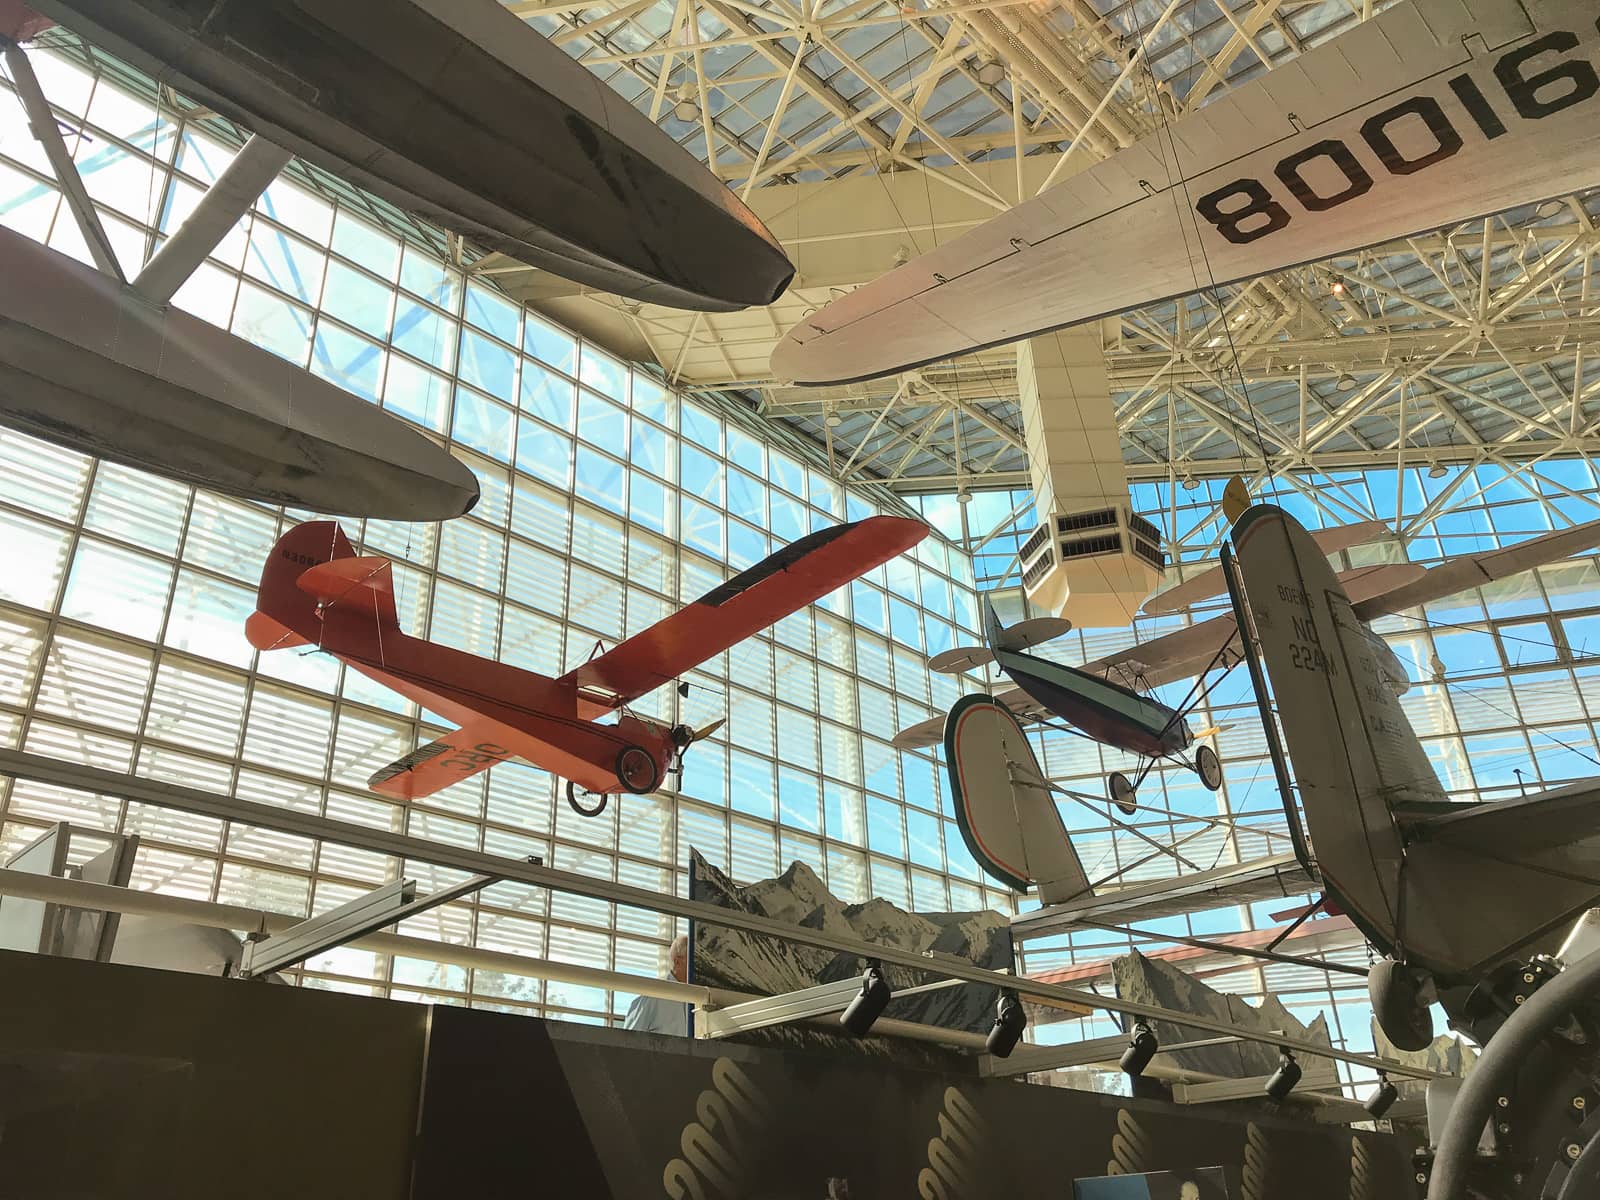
(1144, 528)
(1033, 545)
(1090, 520)
(1150, 554)
(1032, 576)
(1110, 543)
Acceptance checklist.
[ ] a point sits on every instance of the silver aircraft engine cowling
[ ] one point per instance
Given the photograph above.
(86, 362)
(460, 112)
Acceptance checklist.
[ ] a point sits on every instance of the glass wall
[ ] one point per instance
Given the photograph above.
(607, 501)
(1505, 689)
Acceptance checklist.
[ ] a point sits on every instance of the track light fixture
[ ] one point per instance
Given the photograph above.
(1142, 1047)
(869, 1003)
(687, 107)
(1283, 1080)
(1383, 1099)
(1009, 1022)
(991, 72)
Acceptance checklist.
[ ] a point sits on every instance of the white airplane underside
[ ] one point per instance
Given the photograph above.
(1432, 113)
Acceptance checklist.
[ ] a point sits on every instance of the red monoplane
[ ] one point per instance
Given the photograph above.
(315, 590)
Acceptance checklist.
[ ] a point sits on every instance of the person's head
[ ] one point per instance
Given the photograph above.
(678, 955)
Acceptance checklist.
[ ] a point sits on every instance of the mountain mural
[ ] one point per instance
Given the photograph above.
(746, 962)
(1153, 981)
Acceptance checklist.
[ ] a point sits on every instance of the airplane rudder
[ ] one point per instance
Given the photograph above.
(300, 548)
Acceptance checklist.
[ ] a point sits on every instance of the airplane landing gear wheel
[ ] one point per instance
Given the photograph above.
(1120, 788)
(572, 798)
(637, 770)
(1209, 767)
(1397, 1002)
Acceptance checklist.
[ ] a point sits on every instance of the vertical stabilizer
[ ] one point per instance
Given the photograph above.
(1352, 747)
(285, 615)
(1004, 805)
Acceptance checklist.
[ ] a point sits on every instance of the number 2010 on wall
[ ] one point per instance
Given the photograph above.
(1533, 94)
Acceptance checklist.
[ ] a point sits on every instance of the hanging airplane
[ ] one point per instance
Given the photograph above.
(1468, 903)
(1431, 113)
(460, 112)
(1108, 700)
(315, 591)
(1093, 705)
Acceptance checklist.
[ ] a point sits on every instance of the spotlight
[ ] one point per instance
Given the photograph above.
(833, 420)
(1141, 1049)
(868, 1005)
(1284, 1078)
(686, 108)
(1383, 1099)
(963, 497)
(990, 72)
(1345, 383)
(1190, 482)
(1338, 287)
(1009, 1022)
(1438, 471)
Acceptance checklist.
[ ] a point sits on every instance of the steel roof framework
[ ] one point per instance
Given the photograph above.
(1467, 346)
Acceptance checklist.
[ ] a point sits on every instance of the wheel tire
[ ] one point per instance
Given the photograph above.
(1393, 989)
(637, 770)
(1120, 788)
(572, 799)
(1209, 767)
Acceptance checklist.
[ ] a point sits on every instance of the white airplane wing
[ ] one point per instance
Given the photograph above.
(1433, 112)
(1473, 570)
(1210, 582)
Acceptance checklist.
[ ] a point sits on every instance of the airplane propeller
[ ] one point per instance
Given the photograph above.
(684, 736)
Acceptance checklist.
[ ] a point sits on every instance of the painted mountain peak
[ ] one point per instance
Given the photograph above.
(760, 965)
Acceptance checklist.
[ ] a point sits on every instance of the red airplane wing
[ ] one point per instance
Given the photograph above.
(434, 767)
(787, 580)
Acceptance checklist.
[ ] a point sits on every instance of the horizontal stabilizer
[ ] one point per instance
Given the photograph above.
(266, 633)
(1524, 825)
(1034, 631)
(354, 584)
(962, 658)
(1004, 805)
(439, 764)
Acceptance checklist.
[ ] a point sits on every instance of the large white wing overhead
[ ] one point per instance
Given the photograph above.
(1433, 112)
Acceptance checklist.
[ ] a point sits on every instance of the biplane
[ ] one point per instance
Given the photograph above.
(1108, 700)
(1092, 705)
(1477, 907)
(316, 591)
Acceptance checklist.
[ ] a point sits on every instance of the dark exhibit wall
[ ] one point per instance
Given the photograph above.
(119, 1082)
(697, 1120)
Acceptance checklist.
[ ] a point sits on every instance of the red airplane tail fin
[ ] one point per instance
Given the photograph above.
(285, 615)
